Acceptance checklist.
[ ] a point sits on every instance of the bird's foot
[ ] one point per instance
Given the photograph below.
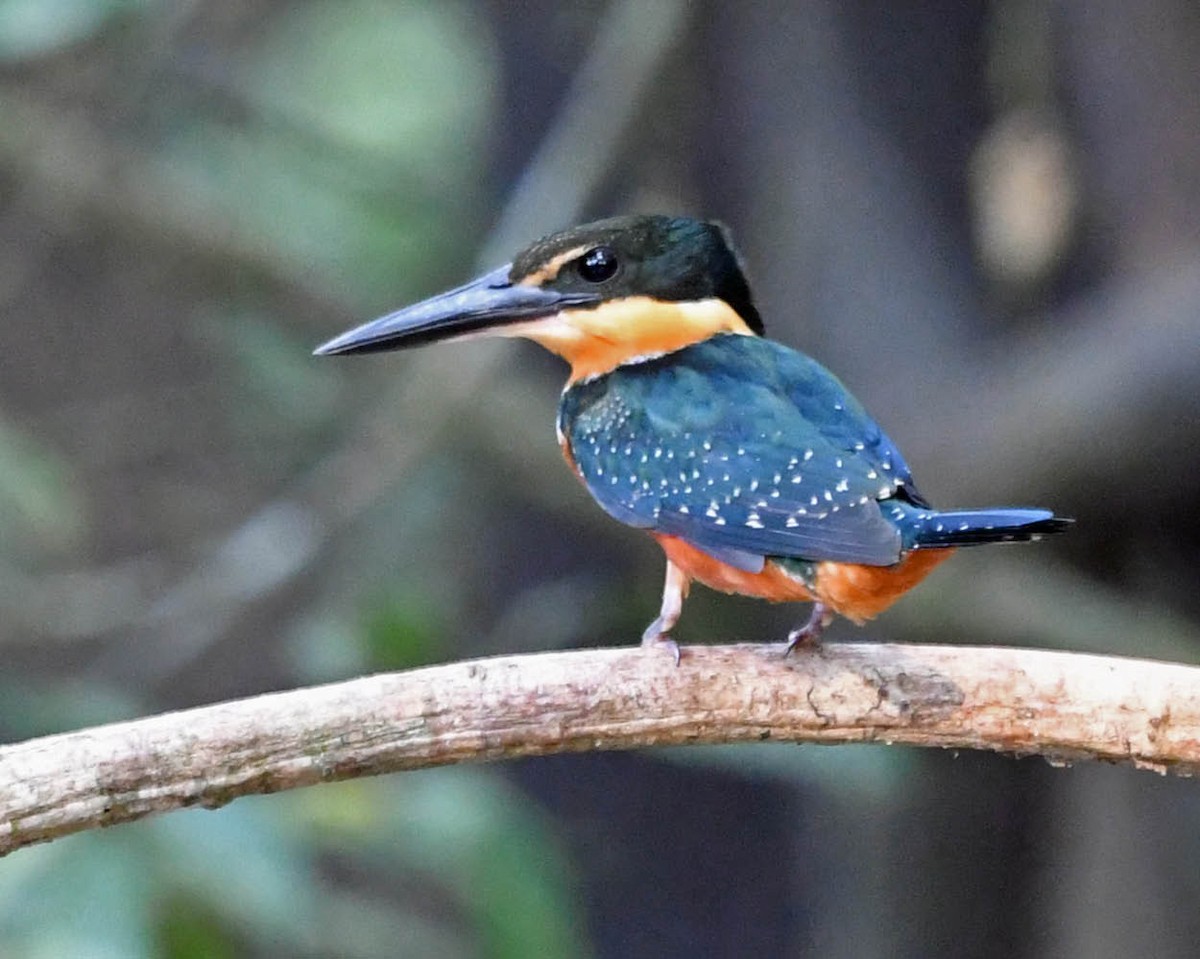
(810, 633)
(656, 637)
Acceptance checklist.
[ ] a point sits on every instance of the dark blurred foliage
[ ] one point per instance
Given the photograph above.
(982, 216)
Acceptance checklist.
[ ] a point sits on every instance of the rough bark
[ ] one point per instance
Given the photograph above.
(1061, 706)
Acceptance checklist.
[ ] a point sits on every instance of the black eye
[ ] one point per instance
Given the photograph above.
(598, 264)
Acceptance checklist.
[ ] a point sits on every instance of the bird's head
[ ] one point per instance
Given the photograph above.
(599, 295)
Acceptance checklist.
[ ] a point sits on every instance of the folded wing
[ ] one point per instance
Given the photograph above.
(743, 448)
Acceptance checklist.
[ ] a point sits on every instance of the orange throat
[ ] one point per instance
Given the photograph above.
(598, 340)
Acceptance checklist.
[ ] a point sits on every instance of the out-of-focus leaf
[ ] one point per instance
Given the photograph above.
(325, 648)
(186, 930)
(279, 383)
(273, 890)
(402, 631)
(466, 826)
(355, 925)
(35, 490)
(32, 28)
(363, 137)
(32, 708)
(84, 896)
(494, 856)
(372, 76)
(519, 896)
(279, 367)
(236, 873)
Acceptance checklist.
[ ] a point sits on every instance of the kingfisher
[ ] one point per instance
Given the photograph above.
(751, 464)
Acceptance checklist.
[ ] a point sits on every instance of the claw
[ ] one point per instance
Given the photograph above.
(656, 635)
(653, 638)
(810, 633)
(674, 591)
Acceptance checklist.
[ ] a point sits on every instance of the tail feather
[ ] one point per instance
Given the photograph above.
(974, 527)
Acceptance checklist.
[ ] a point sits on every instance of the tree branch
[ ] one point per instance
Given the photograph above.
(1063, 706)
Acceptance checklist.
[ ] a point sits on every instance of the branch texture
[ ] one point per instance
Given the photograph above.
(1062, 706)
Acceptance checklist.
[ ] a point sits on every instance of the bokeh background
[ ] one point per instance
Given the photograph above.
(983, 216)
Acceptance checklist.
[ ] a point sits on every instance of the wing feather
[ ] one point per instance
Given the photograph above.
(741, 447)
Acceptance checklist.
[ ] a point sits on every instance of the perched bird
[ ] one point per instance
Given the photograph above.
(749, 462)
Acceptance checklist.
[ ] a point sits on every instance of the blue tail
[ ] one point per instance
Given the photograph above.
(972, 527)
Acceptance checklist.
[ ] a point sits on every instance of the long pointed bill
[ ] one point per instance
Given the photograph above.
(489, 301)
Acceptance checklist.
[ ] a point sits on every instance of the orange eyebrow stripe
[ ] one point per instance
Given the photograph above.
(549, 270)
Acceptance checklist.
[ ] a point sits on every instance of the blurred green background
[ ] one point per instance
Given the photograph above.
(981, 215)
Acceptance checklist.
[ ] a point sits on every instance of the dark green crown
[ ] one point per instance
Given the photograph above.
(667, 258)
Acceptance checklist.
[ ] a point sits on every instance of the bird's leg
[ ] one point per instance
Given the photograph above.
(675, 590)
(810, 633)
